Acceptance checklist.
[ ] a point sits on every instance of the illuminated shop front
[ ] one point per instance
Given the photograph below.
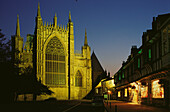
(157, 89)
(130, 93)
(134, 92)
(144, 91)
(119, 93)
(125, 95)
(149, 90)
(146, 72)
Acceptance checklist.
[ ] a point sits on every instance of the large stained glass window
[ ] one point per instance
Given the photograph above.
(55, 63)
(78, 79)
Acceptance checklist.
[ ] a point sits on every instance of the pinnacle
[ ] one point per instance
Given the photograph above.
(18, 27)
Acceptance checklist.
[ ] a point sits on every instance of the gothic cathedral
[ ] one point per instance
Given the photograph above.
(50, 51)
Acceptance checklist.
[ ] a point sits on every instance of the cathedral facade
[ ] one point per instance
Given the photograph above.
(50, 51)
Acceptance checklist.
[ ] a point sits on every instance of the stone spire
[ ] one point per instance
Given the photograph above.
(55, 20)
(69, 16)
(39, 21)
(55, 15)
(38, 11)
(18, 27)
(85, 41)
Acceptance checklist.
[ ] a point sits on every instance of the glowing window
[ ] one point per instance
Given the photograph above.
(150, 53)
(144, 91)
(119, 93)
(157, 90)
(55, 63)
(125, 92)
(119, 76)
(140, 51)
(105, 96)
(78, 79)
(123, 75)
(97, 91)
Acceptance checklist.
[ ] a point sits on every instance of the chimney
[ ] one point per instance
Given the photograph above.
(154, 25)
(133, 50)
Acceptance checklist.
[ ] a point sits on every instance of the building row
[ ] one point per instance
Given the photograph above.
(145, 76)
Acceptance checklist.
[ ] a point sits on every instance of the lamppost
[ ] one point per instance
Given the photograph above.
(109, 92)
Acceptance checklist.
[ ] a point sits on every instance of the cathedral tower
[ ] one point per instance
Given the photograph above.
(67, 73)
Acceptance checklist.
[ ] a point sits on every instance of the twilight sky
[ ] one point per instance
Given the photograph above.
(113, 26)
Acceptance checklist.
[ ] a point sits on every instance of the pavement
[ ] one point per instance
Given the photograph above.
(131, 107)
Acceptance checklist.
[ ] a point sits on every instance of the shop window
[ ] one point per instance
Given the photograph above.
(144, 91)
(130, 93)
(119, 93)
(97, 91)
(157, 90)
(125, 92)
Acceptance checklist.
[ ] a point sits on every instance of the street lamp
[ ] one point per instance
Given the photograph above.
(109, 92)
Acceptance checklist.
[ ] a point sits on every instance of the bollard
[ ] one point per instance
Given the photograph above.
(107, 102)
(115, 108)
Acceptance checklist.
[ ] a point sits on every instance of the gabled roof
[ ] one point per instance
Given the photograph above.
(96, 64)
